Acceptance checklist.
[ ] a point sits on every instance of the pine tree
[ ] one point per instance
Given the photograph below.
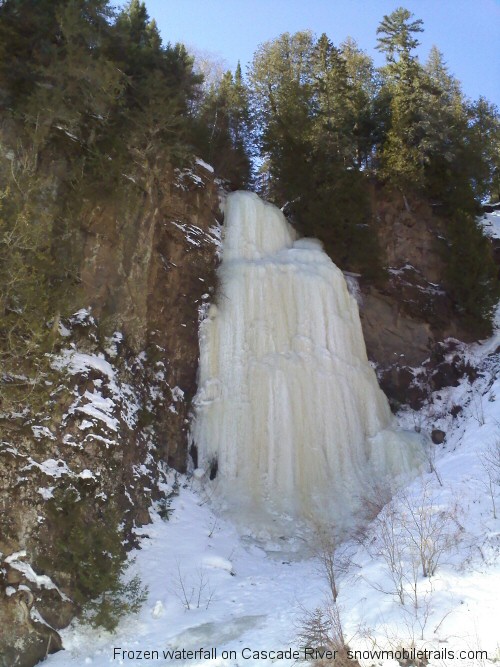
(472, 278)
(367, 121)
(280, 80)
(241, 121)
(86, 99)
(59, 92)
(32, 36)
(94, 555)
(161, 85)
(333, 122)
(444, 127)
(398, 38)
(225, 127)
(483, 148)
(402, 159)
(305, 105)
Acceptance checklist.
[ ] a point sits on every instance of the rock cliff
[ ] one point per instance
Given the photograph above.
(149, 277)
(405, 319)
(123, 374)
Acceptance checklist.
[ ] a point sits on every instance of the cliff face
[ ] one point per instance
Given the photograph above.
(149, 277)
(405, 319)
(124, 372)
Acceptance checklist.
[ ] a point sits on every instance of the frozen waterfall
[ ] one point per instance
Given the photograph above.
(288, 406)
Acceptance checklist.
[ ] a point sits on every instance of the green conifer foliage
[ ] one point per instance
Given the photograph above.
(398, 38)
(280, 80)
(91, 103)
(29, 289)
(307, 103)
(225, 127)
(94, 554)
(33, 34)
(483, 148)
(445, 130)
(160, 86)
(330, 91)
(402, 158)
(471, 274)
(442, 147)
(326, 122)
(367, 124)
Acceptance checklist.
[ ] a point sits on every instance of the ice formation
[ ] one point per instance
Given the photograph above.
(288, 404)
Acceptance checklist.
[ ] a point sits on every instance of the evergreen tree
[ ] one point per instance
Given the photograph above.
(402, 159)
(333, 203)
(333, 122)
(32, 35)
(242, 122)
(225, 127)
(161, 86)
(444, 128)
(398, 38)
(280, 79)
(58, 105)
(26, 268)
(483, 148)
(86, 99)
(95, 556)
(64, 83)
(472, 278)
(367, 114)
(306, 110)
(432, 147)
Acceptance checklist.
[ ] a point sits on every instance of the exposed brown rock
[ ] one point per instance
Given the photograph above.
(148, 273)
(148, 267)
(27, 641)
(404, 318)
(438, 436)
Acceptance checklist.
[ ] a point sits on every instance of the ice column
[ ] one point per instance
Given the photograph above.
(288, 404)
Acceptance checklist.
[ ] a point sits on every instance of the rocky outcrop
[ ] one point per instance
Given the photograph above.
(27, 640)
(62, 468)
(410, 313)
(117, 404)
(149, 275)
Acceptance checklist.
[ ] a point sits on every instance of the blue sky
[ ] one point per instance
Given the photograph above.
(466, 31)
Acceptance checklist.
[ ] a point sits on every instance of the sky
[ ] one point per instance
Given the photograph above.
(466, 31)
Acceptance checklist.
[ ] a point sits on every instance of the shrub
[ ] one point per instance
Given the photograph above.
(89, 547)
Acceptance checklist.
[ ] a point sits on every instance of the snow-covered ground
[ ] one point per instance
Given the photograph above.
(212, 588)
